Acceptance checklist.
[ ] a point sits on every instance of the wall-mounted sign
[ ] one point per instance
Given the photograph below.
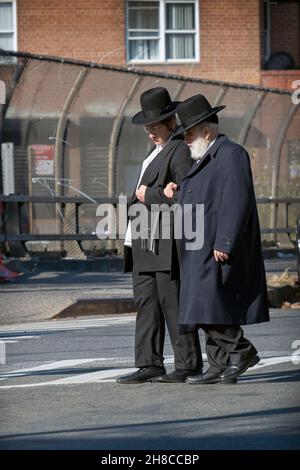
(42, 160)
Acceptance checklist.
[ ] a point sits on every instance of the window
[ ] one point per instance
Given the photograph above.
(162, 31)
(8, 28)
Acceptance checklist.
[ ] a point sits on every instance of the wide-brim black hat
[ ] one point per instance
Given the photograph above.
(193, 111)
(156, 106)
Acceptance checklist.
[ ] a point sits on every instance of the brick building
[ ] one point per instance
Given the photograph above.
(228, 40)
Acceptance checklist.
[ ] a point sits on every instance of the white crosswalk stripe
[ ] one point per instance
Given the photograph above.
(62, 364)
(107, 375)
(61, 325)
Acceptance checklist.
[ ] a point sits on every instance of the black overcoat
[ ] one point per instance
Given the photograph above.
(234, 292)
(171, 164)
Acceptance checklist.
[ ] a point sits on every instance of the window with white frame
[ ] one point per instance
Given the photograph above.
(8, 25)
(162, 30)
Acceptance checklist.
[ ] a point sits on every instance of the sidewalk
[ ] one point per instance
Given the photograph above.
(81, 286)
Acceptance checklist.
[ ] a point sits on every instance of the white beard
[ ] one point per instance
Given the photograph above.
(199, 148)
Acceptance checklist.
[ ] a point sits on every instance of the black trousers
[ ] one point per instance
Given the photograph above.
(225, 343)
(156, 298)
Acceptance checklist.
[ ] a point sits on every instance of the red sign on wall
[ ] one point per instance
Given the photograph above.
(43, 159)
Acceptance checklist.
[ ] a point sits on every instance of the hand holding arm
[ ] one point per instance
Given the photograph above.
(169, 189)
(140, 193)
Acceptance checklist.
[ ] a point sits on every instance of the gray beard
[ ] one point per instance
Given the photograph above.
(199, 148)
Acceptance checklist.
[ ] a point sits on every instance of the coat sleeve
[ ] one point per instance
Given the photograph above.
(236, 200)
(180, 164)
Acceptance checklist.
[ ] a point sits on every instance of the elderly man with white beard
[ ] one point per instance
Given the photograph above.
(223, 283)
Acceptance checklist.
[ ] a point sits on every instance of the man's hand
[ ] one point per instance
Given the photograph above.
(220, 256)
(169, 189)
(140, 193)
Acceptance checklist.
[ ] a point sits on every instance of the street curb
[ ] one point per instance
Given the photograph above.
(89, 307)
(124, 305)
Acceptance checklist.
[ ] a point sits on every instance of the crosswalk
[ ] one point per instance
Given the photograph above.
(35, 330)
(113, 368)
(78, 371)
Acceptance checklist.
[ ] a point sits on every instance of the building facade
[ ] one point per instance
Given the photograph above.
(230, 40)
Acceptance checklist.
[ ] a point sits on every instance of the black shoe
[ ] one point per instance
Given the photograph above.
(208, 377)
(236, 369)
(144, 374)
(177, 376)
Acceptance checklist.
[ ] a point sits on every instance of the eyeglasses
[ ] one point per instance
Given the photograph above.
(152, 129)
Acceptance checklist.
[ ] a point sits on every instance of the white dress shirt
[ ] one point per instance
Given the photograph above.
(146, 163)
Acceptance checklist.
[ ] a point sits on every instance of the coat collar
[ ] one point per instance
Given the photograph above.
(211, 153)
(153, 168)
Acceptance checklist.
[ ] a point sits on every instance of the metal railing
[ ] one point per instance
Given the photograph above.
(21, 236)
(25, 236)
(286, 229)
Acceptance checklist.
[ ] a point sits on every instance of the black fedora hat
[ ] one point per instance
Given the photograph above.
(156, 106)
(195, 110)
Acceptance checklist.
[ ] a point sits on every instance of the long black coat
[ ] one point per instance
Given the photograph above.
(171, 164)
(234, 292)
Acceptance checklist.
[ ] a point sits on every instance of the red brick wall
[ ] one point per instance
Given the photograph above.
(91, 29)
(81, 29)
(279, 78)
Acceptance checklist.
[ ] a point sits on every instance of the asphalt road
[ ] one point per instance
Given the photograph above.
(58, 391)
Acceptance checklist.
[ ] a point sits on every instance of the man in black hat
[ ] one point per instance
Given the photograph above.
(154, 261)
(223, 284)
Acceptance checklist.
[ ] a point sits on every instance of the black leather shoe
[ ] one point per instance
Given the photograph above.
(236, 369)
(209, 377)
(177, 376)
(144, 374)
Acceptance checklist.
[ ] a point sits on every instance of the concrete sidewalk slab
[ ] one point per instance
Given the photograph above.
(42, 296)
